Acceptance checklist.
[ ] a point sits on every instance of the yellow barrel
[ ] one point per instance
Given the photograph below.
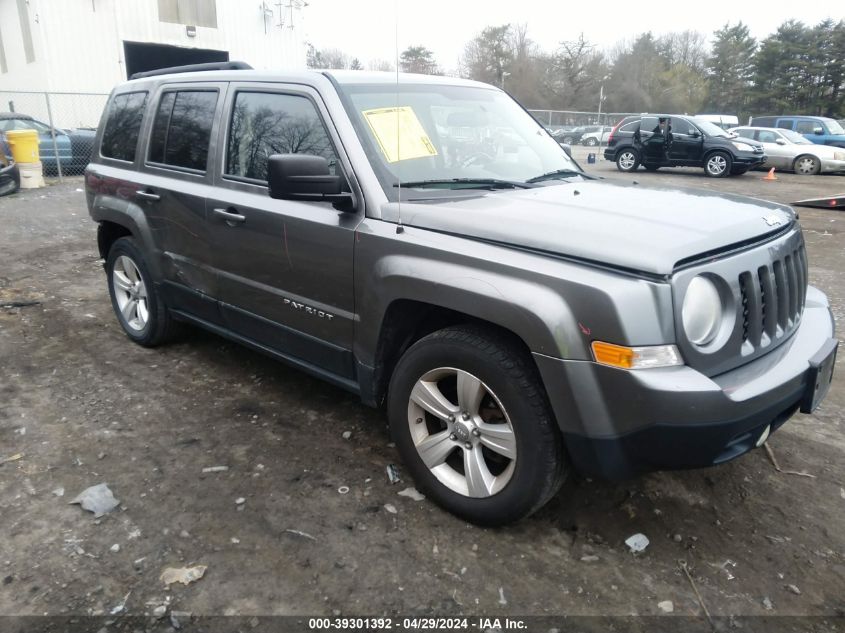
(24, 144)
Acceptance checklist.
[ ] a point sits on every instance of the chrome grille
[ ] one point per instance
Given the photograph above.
(772, 298)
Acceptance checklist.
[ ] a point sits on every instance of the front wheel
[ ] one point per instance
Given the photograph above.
(567, 140)
(137, 303)
(627, 160)
(591, 142)
(806, 165)
(471, 420)
(717, 165)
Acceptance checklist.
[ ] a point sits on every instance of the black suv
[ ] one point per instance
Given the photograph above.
(670, 140)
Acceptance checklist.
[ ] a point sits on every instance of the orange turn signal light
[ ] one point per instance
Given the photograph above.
(613, 355)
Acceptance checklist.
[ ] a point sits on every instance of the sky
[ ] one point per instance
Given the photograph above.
(367, 29)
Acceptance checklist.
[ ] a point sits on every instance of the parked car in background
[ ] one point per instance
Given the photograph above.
(671, 140)
(73, 146)
(818, 129)
(790, 151)
(10, 177)
(573, 137)
(591, 139)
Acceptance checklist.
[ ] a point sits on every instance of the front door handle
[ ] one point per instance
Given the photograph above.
(229, 216)
(148, 195)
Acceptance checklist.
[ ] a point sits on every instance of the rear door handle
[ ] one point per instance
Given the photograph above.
(229, 216)
(148, 195)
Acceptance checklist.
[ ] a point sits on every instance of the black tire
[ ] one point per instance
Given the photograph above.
(806, 165)
(591, 142)
(567, 140)
(504, 369)
(627, 160)
(717, 164)
(160, 326)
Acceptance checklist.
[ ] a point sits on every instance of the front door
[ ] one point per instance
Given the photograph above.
(685, 142)
(778, 155)
(285, 267)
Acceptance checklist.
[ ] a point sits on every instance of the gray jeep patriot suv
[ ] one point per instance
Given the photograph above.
(424, 243)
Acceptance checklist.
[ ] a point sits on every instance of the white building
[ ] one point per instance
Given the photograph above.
(90, 45)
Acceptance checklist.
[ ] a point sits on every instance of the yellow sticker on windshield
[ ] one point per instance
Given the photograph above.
(399, 133)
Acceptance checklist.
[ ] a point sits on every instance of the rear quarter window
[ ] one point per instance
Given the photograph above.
(123, 126)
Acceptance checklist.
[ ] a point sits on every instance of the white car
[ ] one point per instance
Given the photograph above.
(789, 151)
(592, 138)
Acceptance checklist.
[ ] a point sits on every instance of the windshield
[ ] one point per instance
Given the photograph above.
(422, 133)
(711, 129)
(833, 126)
(795, 137)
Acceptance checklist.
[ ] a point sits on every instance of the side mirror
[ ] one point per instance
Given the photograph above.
(567, 148)
(695, 134)
(780, 141)
(818, 131)
(305, 177)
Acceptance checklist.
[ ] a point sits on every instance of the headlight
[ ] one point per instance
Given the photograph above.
(701, 313)
(742, 147)
(838, 155)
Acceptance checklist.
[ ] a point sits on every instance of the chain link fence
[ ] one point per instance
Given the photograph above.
(557, 119)
(66, 123)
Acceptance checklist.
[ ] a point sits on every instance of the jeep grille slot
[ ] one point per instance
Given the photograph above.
(772, 298)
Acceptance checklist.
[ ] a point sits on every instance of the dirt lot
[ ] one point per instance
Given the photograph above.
(81, 406)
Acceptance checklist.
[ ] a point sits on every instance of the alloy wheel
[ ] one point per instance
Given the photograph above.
(130, 292)
(462, 432)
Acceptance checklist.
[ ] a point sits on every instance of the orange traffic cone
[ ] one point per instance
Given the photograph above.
(770, 175)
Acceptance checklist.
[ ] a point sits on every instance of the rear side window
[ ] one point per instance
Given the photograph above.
(630, 127)
(182, 129)
(264, 124)
(123, 126)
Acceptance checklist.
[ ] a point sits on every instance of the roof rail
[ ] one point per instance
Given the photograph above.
(192, 68)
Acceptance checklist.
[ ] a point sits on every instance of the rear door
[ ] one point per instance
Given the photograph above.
(285, 267)
(174, 182)
(686, 142)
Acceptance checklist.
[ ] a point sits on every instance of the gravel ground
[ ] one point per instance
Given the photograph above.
(304, 521)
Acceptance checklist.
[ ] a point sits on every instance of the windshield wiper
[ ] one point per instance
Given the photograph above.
(560, 173)
(480, 183)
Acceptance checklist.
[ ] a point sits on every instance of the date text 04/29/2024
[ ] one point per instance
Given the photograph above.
(416, 624)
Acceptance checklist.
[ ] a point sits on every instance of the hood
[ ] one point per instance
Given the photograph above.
(629, 226)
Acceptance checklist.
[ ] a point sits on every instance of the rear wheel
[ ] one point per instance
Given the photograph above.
(717, 164)
(137, 303)
(806, 165)
(567, 140)
(471, 420)
(627, 160)
(591, 142)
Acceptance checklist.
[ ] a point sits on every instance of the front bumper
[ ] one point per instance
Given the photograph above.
(618, 423)
(749, 160)
(830, 166)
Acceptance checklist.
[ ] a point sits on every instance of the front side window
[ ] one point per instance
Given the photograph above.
(765, 136)
(123, 126)
(681, 126)
(745, 133)
(264, 124)
(807, 127)
(182, 129)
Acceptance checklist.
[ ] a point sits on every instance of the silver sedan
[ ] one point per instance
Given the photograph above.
(789, 151)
